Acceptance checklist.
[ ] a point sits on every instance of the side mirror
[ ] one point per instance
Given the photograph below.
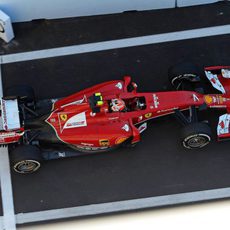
(134, 86)
(129, 86)
(127, 81)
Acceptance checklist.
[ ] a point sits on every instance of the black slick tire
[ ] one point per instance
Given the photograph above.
(183, 73)
(195, 135)
(26, 159)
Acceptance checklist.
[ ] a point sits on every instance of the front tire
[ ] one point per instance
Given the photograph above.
(196, 135)
(26, 159)
(183, 75)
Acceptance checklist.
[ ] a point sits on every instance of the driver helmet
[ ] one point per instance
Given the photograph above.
(117, 105)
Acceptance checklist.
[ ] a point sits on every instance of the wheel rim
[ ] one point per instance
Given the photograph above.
(175, 80)
(27, 166)
(197, 141)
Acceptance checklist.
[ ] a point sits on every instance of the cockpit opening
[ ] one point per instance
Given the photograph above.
(127, 105)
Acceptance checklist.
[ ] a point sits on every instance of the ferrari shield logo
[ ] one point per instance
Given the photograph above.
(63, 117)
(104, 142)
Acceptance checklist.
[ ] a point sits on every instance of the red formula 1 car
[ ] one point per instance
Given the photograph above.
(106, 116)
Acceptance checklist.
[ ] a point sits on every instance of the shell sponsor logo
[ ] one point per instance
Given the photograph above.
(208, 99)
(148, 115)
(120, 140)
(214, 99)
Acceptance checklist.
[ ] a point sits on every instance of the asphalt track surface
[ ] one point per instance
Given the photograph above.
(158, 165)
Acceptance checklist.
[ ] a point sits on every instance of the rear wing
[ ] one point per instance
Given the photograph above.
(219, 76)
(9, 117)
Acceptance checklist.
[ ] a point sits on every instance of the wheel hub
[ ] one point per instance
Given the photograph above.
(196, 141)
(27, 166)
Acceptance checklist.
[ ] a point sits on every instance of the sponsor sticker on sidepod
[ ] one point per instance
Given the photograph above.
(76, 121)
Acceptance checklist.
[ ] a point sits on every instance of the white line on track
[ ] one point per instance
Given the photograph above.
(123, 205)
(6, 189)
(8, 219)
(116, 44)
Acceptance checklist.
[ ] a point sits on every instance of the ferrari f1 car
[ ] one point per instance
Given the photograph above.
(107, 116)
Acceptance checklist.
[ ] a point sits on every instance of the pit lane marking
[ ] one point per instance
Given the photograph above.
(116, 44)
(8, 220)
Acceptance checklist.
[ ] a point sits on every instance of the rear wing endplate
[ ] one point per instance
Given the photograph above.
(9, 117)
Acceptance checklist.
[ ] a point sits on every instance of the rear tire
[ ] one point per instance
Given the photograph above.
(183, 75)
(26, 159)
(195, 135)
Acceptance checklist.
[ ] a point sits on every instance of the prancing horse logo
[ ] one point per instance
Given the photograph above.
(63, 117)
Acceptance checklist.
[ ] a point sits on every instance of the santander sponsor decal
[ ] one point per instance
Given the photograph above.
(78, 120)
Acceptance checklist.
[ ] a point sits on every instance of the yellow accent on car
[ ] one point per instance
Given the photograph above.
(148, 115)
(120, 140)
(63, 117)
(99, 102)
(208, 99)
(104, 142)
